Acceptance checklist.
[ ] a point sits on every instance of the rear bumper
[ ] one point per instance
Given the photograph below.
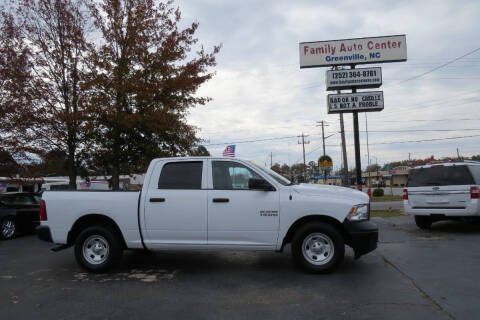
(43, 233)
(362, 236)
(471, 209)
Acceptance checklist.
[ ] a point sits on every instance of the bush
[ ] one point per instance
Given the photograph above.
(377, 192)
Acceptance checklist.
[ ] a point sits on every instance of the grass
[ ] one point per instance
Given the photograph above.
(386, 213)
(387, 198)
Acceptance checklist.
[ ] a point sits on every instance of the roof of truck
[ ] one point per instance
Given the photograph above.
(202, 157)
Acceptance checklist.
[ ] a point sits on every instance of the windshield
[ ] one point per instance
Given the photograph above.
(280, 179)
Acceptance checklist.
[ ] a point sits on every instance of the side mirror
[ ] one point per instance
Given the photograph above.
(259, 184)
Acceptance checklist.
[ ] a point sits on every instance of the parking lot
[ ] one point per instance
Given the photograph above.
(414, 274)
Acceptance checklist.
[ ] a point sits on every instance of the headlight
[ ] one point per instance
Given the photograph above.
(359, 212)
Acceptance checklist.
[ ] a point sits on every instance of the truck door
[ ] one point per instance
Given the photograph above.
(236, 214)
(176, 204)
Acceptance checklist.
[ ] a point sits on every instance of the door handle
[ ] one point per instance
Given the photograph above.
(221, 200)
(157, 199)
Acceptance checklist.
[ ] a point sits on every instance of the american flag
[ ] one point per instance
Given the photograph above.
(229, 151)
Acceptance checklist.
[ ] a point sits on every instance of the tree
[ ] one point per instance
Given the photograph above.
(200, 151)
(285, 169)
(50, 38)
(14, 86)
(276, 168)
(8, 166)
(143, 81)
(372, 168)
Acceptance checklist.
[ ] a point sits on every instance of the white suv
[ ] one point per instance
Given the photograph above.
(445, 191)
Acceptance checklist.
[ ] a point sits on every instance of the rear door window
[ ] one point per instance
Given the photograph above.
(440, 176)
(181, 175)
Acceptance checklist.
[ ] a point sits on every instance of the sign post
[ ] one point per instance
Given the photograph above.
(350, 52)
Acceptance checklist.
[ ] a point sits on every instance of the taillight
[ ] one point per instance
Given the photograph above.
(475, 192)
(405, 194)
(43, 211)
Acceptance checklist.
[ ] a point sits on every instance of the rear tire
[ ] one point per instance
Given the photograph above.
(423, 222)
(8, 227)
(318, 247)
(98, 248)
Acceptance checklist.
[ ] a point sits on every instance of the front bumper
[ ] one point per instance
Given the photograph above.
(362, 236)
(43, 233)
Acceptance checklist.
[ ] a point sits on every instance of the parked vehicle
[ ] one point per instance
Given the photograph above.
(443, 192)
(18, 213)
(211, 203)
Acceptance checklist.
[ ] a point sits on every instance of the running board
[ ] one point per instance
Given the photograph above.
(60, 247)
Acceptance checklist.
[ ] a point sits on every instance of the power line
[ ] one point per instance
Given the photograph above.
(418, 141)
(374, 131)
(428, 120)
(439, 67)
(249, 141)
(421, 130)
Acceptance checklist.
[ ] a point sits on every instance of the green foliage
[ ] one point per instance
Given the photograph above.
(378, 192)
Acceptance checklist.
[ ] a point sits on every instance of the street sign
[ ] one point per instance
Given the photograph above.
(354, 78)
(351, 102)
(353, 51)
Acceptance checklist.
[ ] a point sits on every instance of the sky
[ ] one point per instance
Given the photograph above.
(259, 91)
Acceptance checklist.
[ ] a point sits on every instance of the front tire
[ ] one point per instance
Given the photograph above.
(8, 228)
(98, 248)
(318, 247)
(423, 222)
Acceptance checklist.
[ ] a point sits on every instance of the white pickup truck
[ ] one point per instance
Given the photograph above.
(210, 203)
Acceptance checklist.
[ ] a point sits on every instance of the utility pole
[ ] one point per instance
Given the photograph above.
(458, 154)
(271, 160)
(303, 136)
(323, 141)
(322, 124)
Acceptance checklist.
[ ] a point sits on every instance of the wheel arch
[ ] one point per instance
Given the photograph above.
(92, 219)
(314, 218)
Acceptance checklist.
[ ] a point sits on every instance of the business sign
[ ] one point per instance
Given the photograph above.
(325, 162)
(351, 102)
(353, 51)
(354, 78)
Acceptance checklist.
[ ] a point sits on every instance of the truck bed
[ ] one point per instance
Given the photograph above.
(121, 206)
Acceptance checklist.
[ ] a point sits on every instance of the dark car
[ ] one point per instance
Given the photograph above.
(18, 213)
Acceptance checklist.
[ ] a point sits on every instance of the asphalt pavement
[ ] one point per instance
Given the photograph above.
(414, 274)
